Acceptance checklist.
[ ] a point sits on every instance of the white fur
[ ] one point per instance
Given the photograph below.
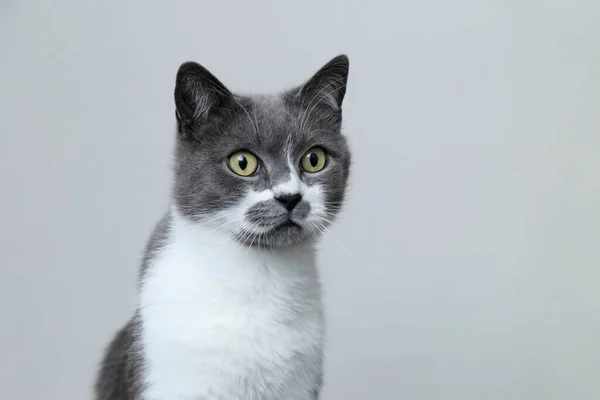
(231, 322)
(291, 186)
(234, 216)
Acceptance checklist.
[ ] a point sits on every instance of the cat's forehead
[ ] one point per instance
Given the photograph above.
(277, 128)
(271, 107)
(276, 123)
(279, 125)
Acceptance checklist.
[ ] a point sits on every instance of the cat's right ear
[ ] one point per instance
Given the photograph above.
(197, 94)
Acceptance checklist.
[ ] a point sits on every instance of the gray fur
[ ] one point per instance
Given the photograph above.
(213, 123)
(120, 375)
(272, 127)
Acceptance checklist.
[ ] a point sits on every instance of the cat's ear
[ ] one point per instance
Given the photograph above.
(328, 85)
(197, 93)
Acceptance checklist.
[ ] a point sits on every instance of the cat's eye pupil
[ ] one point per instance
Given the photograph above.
(242, 162)
(313, 159)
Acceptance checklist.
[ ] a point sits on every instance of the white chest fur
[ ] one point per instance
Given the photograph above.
(221, 321)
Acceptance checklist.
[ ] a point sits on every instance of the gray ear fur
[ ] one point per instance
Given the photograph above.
(328, 85)
(197, 93)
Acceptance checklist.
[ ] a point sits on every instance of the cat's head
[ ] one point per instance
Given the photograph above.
(267, 170)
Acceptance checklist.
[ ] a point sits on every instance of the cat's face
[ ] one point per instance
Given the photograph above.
(268, 171)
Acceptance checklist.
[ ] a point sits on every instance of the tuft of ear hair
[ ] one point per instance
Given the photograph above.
(197, 93)
(328, 85)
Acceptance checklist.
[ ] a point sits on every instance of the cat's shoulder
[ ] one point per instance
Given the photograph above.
(119, 377)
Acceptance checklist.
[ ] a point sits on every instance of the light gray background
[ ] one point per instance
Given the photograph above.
(467, 264)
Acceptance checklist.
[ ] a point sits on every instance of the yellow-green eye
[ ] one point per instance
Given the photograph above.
(314, 160)
(243, 163)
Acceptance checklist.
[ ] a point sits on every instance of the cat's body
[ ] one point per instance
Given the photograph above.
(266, 324)
(230, 301)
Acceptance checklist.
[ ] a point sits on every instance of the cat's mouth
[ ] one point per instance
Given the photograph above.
(288, 224)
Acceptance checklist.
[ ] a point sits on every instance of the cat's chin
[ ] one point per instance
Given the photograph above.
(289, 224)
(285, 234)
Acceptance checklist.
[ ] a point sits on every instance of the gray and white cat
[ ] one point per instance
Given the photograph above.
(229, 299)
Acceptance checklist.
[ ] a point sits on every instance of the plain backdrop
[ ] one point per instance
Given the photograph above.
(467, 263)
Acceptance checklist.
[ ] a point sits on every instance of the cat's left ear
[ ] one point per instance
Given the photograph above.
(328, 85)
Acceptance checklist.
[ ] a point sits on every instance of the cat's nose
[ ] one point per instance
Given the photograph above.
(290, 201)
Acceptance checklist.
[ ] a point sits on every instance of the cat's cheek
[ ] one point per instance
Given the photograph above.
(315, 196)
(237, 215)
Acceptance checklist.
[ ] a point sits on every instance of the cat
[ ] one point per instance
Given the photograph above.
(229, 295)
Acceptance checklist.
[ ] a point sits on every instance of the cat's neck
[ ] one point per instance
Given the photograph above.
(207, 298)
(212, 252)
